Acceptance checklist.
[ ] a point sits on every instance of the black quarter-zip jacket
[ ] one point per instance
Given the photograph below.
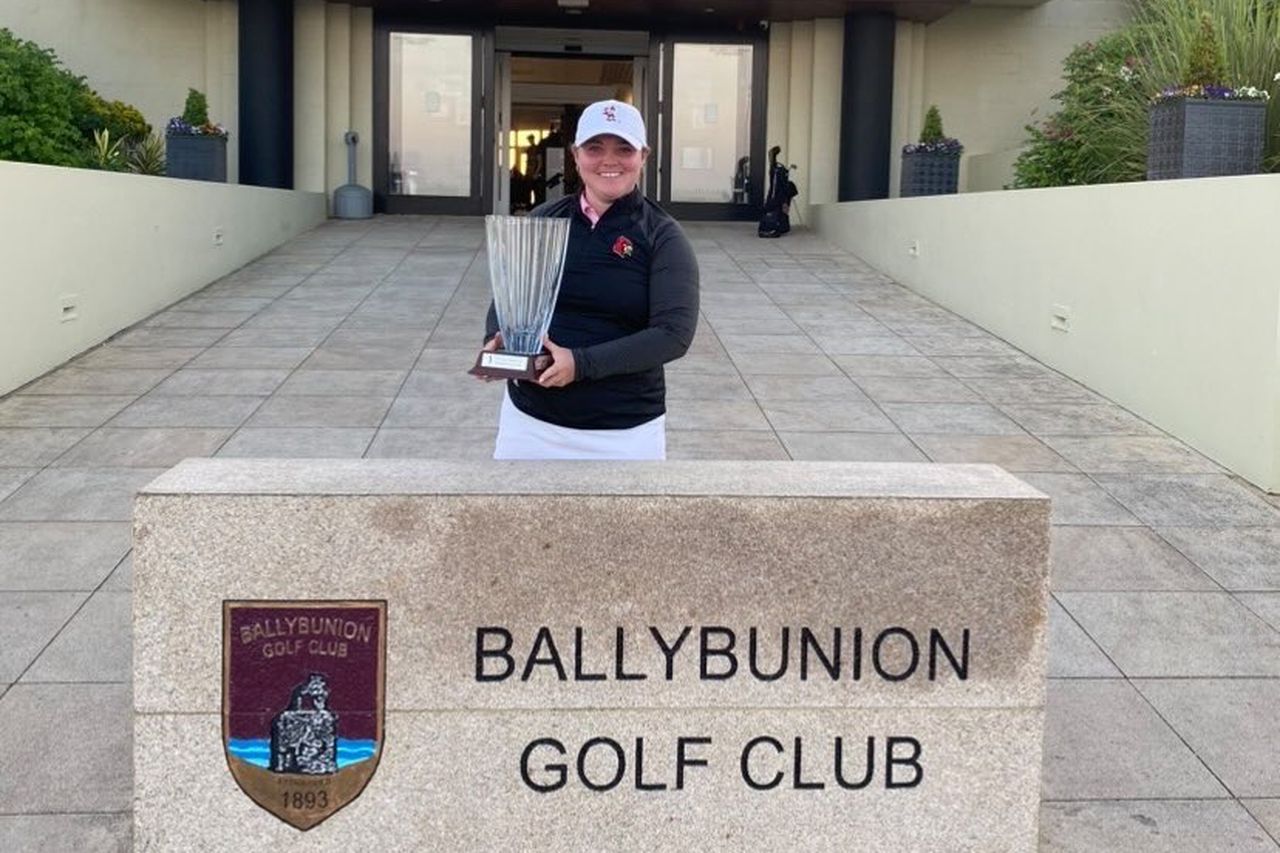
(628, 304)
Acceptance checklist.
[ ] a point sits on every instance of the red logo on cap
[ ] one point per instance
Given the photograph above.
(610, 114)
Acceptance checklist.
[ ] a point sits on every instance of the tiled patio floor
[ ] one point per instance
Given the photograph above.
(1164, 703)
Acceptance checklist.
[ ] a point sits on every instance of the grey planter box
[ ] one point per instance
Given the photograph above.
(929, 173)
(1197, 138)
(198, 158)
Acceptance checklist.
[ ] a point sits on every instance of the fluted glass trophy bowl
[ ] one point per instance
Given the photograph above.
(526, 261)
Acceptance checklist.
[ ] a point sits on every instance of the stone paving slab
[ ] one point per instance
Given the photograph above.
(1153, 634)
(1103, 741)
(1231, 723)
(29, 621)
(89, 648)
(1096, 559)
(66, 748)
(1151, 826)
(57, 833)
(1162, 563)
(60, 556)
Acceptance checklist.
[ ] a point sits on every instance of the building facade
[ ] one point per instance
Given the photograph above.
(463, 106)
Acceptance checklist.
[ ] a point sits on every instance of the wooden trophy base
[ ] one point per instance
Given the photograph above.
(501, 364)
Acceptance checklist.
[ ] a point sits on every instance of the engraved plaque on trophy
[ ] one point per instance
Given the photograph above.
(526, 260)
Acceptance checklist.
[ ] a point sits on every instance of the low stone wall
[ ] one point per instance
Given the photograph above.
(583, 656)
(87, 253)
(1167, 291)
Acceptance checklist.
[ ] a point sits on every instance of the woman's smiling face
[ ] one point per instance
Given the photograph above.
(610, 168)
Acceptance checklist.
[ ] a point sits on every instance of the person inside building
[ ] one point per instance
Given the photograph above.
(533, 170)
(628, 304)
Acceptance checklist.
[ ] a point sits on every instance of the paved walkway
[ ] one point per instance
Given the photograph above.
(1163, 725)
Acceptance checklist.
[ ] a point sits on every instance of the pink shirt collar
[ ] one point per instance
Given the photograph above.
(587, 210)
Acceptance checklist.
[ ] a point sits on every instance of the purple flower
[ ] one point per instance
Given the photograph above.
(942, 146)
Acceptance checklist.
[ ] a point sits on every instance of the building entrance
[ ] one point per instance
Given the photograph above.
(535, 132)
(480, 121)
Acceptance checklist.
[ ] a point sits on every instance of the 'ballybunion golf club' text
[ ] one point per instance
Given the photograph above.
(322, 636)
(720, 653)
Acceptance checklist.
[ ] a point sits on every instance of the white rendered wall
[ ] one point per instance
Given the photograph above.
(332, 93)
(362, 92)
(143, 52)
(121, 247)
(337, 67)
(1183, 332)
(800, 115)
(824, 140)
(778, 102)
(309, 96)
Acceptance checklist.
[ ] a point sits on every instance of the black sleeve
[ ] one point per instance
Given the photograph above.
(673, 313)
(490, 322)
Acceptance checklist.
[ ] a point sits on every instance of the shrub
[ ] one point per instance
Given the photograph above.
(124, 121)
(49, 115)
(1099, 132)
(38, 106)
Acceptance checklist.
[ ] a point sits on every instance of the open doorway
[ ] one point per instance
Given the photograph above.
(544, 97)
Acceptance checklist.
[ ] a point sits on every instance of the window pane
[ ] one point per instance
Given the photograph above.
(711, 122)
(430, 114)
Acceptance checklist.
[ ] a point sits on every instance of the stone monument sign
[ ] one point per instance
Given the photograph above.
(588, 656)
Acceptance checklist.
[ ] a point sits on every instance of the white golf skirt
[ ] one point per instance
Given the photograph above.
(523, 437)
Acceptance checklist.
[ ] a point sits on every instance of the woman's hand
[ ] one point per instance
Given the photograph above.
(492, 345)
(562, 370)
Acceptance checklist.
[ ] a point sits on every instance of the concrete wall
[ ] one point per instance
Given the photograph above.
(118, 248)
(144, 52)
(1185, 333)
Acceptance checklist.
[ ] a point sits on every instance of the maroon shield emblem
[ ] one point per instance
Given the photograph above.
(302, 702)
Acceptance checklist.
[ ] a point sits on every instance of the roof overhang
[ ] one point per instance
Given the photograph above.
(673, 14)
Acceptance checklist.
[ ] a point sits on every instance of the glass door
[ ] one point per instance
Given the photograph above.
(711, 127)
(429, 100)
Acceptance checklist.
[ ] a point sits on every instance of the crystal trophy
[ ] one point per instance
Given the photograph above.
(526, 260)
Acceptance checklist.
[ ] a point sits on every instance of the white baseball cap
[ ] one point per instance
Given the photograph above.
(612, 117)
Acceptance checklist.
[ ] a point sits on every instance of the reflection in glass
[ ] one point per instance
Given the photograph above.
(430, 114)
(711, 123)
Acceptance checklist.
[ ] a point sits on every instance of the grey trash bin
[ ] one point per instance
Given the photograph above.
(352, 201)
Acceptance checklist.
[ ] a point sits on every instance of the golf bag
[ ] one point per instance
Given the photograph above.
(776, 220)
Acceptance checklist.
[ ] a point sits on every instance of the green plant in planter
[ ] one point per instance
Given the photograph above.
(932, 130)
(196, 110)
(195, 148)
(1205, 62)
(1208, 125)
(932, 138)
(932, 165)
(194, 120)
